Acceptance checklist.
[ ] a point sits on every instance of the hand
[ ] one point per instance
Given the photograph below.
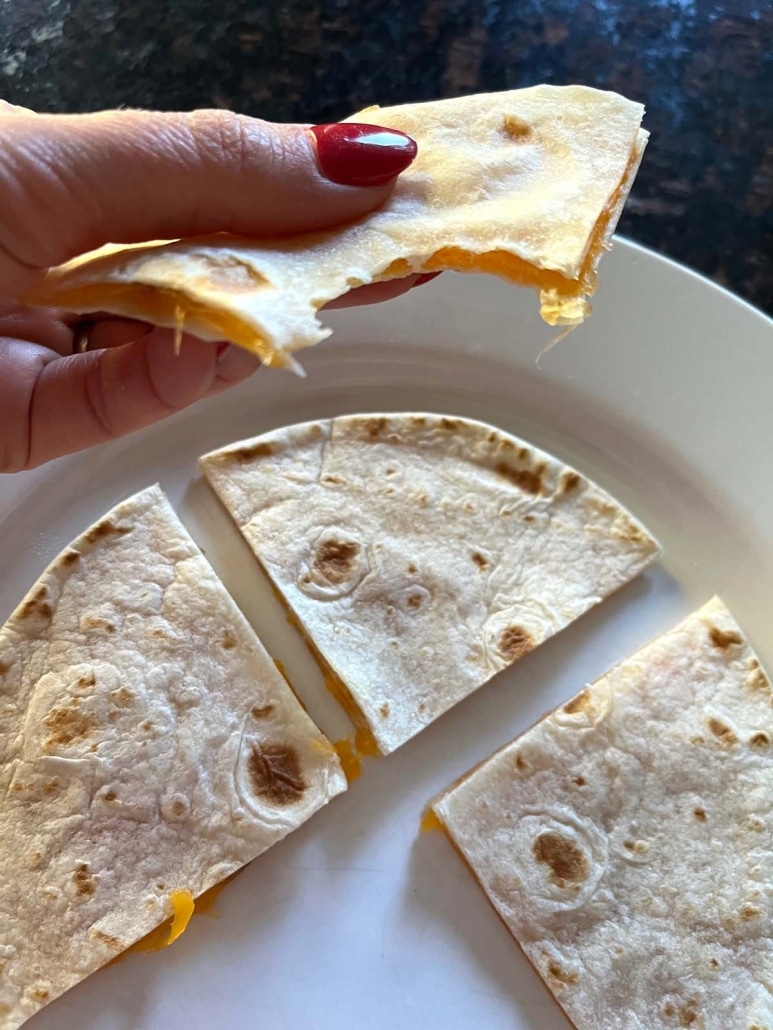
(70, 183)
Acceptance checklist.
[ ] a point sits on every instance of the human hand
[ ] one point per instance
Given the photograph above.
(70, 183)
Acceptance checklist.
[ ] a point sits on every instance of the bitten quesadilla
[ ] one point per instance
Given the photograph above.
(527, 184)
(626, 839)
(422, 554)
(150, 748)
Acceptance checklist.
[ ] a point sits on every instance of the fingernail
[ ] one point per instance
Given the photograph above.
(354, 154)
(221, 349)
(426, 278)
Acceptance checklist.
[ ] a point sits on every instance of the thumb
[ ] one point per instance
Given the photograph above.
(70, 183)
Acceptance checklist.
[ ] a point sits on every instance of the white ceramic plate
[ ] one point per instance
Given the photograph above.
(357, 919)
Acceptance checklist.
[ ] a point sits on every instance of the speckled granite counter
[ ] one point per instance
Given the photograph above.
(703, 67)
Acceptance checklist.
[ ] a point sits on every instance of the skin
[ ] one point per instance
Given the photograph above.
(70, 183)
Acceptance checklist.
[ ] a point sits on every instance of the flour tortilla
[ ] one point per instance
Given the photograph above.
(626, 839)
(527, 184)
(149, 744)
(422, 554)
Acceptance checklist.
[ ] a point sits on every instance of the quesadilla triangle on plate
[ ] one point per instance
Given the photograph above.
(625, 840)
(150, 749)
(421, 554)
(527, 184)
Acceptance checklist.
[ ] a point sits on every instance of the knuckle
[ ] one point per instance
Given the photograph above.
(239, 144)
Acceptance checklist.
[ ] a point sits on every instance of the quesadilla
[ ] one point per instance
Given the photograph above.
(526, 184)
(150, 748)
(421, 554)
(626, 840)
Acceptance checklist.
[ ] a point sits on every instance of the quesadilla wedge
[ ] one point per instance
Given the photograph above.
(421, 554)
(527, 184)
(150, 748)
(625, 840)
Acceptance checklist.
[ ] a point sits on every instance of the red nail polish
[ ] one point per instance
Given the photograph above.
(426, 278)
(354, 154)
(221, 349)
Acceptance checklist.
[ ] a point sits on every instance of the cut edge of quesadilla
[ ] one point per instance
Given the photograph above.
(372, 737)
(222, 287)
(722, 634)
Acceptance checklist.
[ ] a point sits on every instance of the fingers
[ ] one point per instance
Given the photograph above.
(69, 183)
(52, 406)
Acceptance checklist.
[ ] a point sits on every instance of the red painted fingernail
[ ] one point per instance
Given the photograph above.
(221, 349)
(426, 278)
(354, 154)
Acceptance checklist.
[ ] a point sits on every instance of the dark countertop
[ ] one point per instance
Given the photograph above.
(704, 68)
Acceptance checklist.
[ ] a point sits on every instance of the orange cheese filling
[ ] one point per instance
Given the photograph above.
(430, 821)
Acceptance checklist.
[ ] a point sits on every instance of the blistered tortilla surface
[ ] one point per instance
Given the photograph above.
(422, 554)
(626, 840)
(527, 184)
(149, 745)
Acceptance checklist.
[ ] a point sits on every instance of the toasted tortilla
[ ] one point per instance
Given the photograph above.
(625, 840)
(422, 554)
(527, 184)
(150, 748)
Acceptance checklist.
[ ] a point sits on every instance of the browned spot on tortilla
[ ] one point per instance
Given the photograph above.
(85, 883)
(624, 528)
(87, 681)
(383, 710)
(629, 845)
(41, 994)
(566, 862)
(697, 740)
(723, 639)
(480, 560)
(110, 795)
(514, 642)
(412, 570)
(178, 807)
(700, 814)
(334, 559)
(65, 725)
(333, 479)
(108, 939)
(688, 1014)
(528, 517)
(516, 128)
(580, 703)
(51, 788)
(104, 529)
(449, 423)
(579, 780)
(414, 601)
(418, 420)
(37, 607)
(749, 911)
(275, 771)
(97, 622)
(69, 558)
(121, 696)
(561, 975)
(422, 707)
(520, 762)
(723, 733)
(146, 725)
(374, 427)
(229, 640)
(256, 450)
(759, 739)
(714, 963)
(757, 680)
(569, 482)
(4, 668)
(262, 711)
(528, 480)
